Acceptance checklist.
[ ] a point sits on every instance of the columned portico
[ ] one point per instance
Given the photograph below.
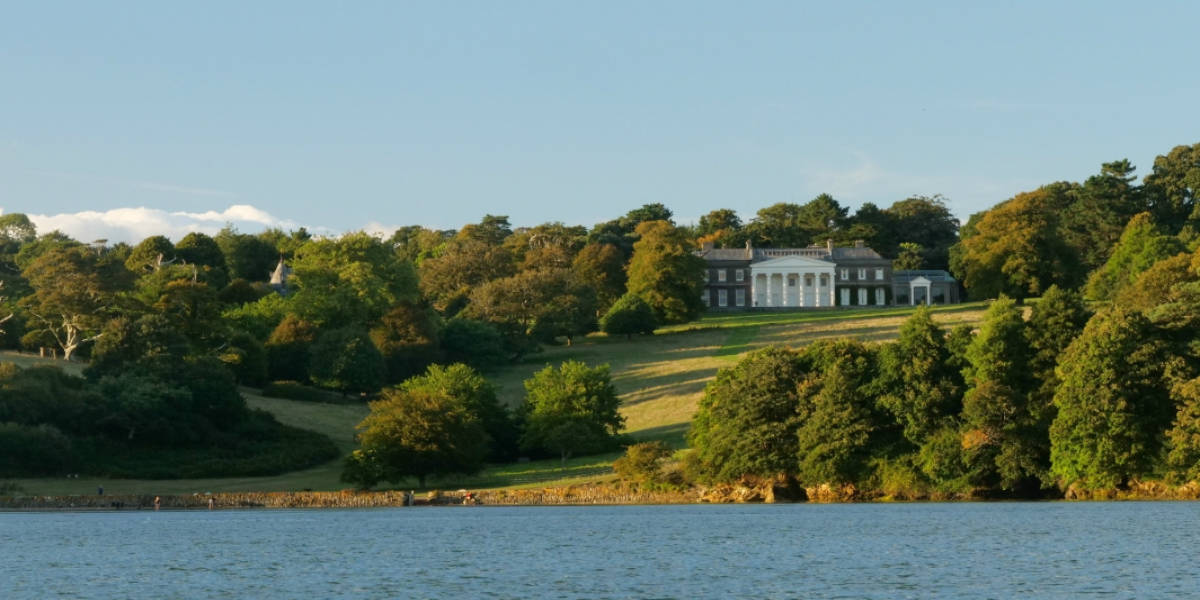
(920, 283)
(792, 281)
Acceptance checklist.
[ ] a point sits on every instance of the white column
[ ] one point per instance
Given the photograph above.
(832, 301)
(912, 294)
(753, 288)
(929, 295)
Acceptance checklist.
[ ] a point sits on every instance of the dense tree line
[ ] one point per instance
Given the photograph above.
(360, 315)
(448, 421)
(1057, 401)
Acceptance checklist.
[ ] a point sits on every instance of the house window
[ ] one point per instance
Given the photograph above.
(879, 296)
(706, 276)
(862, 274)
(722, 297)
(705, 298)
(844, 274)
(845, 296)
(823, 281)
(862, 296)
(721, 275)
(740, 296)
(741, 274)
(878, 274)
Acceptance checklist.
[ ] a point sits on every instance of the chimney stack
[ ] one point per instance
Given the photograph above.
(706, 246)
(858, 243)
(829, 245)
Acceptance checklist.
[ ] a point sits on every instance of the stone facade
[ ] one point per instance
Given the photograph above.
(814, 277)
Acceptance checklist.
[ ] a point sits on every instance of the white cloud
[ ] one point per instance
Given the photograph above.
(135, 224)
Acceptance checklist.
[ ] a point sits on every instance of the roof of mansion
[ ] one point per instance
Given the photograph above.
(818, 252)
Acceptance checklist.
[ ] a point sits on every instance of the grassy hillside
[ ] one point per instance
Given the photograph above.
(661, 379)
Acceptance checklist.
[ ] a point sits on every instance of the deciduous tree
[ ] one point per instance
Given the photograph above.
(1113, 406)
(665, 273)
(416, 433)
(571, 410)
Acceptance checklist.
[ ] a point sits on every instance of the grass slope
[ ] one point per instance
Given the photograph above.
(661, 379)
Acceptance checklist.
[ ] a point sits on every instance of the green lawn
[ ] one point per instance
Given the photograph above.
(661, 379)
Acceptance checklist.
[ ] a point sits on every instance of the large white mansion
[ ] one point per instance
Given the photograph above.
(817, 276)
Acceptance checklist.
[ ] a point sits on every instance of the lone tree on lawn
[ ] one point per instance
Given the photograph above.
(628, 316)
(571, 409)
(416, 433)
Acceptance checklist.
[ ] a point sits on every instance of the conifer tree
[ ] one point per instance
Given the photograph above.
(924, 391)
(1000, 426)
(834, 437)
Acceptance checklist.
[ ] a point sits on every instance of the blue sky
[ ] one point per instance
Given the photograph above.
(116, 120)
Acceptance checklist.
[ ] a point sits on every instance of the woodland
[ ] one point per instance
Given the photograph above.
(1084, 375)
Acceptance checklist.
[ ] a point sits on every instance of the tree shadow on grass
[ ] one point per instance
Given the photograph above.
(674, 435)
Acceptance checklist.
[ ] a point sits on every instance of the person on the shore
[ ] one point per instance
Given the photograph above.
(157, 502)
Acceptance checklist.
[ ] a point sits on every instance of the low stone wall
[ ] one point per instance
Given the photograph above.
(746, 491)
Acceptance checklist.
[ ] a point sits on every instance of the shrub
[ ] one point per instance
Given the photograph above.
(643, 463)
(33, 450)
(628, 316)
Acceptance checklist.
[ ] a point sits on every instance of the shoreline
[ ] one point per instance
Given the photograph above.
(579, 495)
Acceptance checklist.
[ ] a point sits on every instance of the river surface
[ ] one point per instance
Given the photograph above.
(961, 550)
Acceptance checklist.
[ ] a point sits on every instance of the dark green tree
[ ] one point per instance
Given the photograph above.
(1171, 189)
(1000, 422)
(248, 257)
(926, 222)
(246, 358)
(834, 442)
(747, 420)
(203, 252)
(571, 410)
(923, 388)
(779, 226)
(1056, 320)
(1113, 406)
(630, 315)
(910, 257)
(416, 433)
(150, 254)
(469, 388)
(475, 343)
(1103, 205)
(346, 360)
(288, 349)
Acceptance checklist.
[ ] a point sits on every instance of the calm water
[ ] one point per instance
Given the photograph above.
(1004, 550)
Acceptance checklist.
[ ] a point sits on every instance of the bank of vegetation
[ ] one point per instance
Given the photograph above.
(1090, 388)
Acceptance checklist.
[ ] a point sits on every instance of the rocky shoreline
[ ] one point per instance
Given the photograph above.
(595, 494)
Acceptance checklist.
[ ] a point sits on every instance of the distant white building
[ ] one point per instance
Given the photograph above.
(815, 277)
